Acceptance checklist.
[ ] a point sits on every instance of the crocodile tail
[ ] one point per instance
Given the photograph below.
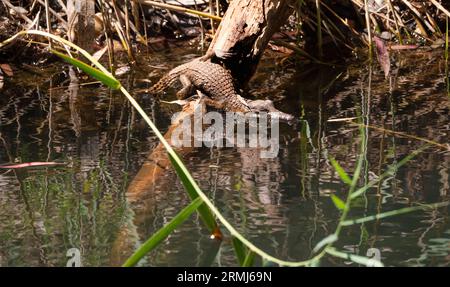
(167, 80)
(164, 83)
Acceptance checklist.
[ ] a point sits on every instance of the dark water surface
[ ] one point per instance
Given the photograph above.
(282, 205)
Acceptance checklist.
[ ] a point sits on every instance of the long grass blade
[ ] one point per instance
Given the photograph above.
(93, 72)
(161, 234)
(239, 250)
(341, 172)
(203, 210)
(389, 171)
(339, 203)
(327, 240)
(249, 259)
(393, 213)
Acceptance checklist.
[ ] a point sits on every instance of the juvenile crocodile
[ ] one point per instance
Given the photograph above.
(210, 78)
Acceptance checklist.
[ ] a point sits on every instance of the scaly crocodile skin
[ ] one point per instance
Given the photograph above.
(210, 78)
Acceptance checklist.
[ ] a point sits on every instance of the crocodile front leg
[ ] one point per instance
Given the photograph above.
(219, 105)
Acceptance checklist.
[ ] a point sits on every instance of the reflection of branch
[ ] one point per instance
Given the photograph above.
(443, 146)
(157, 163)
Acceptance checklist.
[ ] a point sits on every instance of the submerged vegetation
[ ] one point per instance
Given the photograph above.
(321, 32)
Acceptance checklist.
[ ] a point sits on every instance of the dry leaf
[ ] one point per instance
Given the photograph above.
(383, 55)
(7, 69)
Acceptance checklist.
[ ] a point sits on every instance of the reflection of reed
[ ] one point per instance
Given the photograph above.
(73, 97)
(400, 122)
(47, 210)
(36, 223)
